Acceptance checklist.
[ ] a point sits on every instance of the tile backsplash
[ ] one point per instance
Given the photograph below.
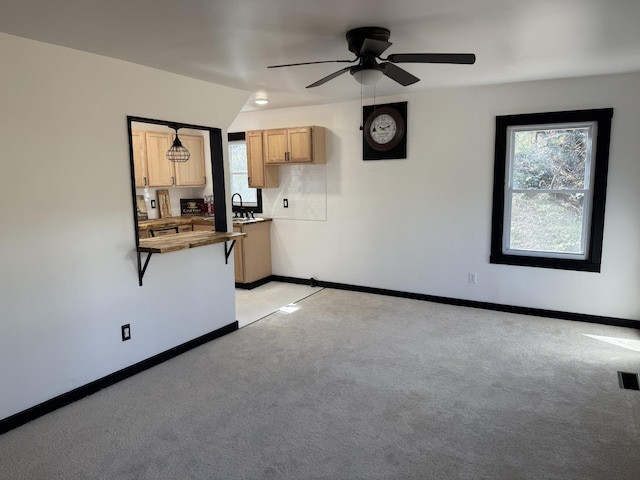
(175, 194)
(304, 187)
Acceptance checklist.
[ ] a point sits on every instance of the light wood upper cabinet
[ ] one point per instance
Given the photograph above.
(300, 142)
(139, 158)
(260, 175)
(160, 169)
(161, 172)
(192, 172)
(294, 145)
(275, 146)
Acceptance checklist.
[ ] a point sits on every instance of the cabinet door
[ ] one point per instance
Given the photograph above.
(139, 158)
(256, 251)
(238, 258)
(275, 146)
(299, 142)
(192, 172)
(260, 175)
(160, 170)
(255, 161)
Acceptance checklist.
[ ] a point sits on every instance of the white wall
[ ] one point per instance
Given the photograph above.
(422, 224)
(68, 271)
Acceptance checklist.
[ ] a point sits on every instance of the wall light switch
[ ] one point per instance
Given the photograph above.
(285, 203)
(153, 204)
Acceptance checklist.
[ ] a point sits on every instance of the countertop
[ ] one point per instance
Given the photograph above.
(170, 221)
(249, 221)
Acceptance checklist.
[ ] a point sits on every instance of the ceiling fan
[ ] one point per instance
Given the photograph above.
(368, 43)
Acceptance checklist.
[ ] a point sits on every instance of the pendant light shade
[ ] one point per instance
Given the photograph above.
(177, 153)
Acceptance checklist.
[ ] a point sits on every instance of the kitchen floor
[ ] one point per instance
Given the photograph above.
(260, 302)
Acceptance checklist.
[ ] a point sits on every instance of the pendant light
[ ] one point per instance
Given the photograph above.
(177, 153)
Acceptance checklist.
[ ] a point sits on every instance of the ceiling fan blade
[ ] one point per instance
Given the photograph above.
(311, 63)
(457, 58)
(374, 47)
(398, 74)
(329, 77)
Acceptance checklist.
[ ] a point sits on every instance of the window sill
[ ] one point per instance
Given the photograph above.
(545, 262)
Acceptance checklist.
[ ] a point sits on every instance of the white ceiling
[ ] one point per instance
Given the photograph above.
(232, 42)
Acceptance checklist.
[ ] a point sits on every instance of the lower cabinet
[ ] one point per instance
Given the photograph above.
(204, 228)
(252, 254)
(160, 228)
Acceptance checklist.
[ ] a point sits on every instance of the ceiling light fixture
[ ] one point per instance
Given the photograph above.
(367, 76)
(261, 101)
(177, 153)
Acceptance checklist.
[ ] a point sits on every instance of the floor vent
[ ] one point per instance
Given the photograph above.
(628, 381)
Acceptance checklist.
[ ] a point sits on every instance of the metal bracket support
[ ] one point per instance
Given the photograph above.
(142, 269)
(227, 251)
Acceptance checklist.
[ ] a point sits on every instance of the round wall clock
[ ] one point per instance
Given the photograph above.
(385, 131)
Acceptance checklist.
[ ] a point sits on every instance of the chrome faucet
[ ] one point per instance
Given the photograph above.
(241, 206)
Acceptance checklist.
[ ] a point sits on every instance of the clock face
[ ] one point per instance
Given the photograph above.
(383, 129)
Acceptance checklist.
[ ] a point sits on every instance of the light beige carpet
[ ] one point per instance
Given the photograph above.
(358, 386)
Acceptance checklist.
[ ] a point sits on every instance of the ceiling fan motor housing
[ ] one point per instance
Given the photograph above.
(357, 36)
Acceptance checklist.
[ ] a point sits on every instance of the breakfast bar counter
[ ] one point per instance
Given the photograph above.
(182, 241)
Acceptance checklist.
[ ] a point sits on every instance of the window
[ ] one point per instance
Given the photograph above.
(251, 197)
(549, 189)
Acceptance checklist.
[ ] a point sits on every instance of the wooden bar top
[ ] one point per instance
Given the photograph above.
(182, 241)
(194, 220)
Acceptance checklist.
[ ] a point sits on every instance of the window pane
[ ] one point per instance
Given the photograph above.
(240, 184)
(240, 174)
(553, 159)
(238, 156)
(547, 222)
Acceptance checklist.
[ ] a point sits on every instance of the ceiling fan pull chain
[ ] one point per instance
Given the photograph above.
(361, 112)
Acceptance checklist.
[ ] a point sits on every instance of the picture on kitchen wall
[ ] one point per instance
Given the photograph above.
(191, 206)
(384, 135)
(141, 208)
(164, 203)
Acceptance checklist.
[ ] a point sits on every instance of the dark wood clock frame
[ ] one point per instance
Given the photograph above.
(397, 147)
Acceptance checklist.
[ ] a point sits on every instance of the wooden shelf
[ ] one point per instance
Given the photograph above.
(183, 241)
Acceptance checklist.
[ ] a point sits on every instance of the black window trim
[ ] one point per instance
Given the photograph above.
(238, 137)
(592, 262)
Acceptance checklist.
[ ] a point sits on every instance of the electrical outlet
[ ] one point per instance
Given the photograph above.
(473, 277)
(153, 204)
(126, 332)
(285, 203)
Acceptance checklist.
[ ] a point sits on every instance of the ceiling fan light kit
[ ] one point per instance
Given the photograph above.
(367, 76)
(368, 44)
